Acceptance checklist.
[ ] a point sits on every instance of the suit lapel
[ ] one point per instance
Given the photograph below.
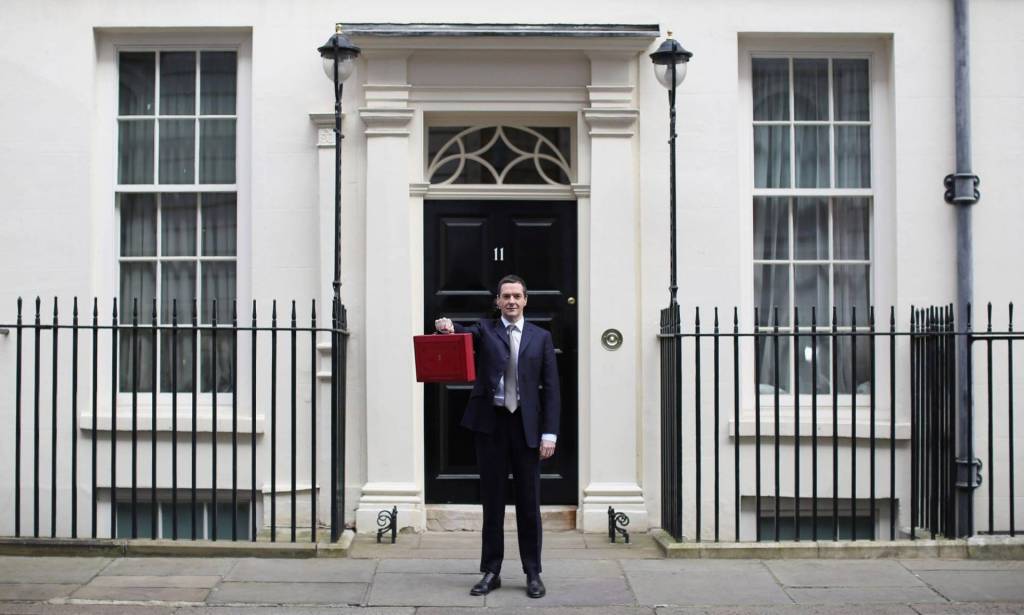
(499, 330)
(525, 338)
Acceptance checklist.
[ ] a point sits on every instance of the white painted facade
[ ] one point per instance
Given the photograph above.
(58, 167)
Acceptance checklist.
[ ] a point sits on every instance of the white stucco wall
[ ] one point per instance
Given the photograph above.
(57, 164)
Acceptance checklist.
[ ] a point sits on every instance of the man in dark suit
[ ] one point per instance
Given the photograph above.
(513, 412)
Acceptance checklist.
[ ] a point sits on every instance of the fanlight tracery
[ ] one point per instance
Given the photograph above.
(499, 155)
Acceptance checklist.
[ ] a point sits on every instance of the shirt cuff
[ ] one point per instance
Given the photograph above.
(550, 437)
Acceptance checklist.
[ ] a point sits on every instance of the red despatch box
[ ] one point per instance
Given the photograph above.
(444, 358)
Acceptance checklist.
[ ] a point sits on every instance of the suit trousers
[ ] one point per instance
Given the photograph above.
(499, 453)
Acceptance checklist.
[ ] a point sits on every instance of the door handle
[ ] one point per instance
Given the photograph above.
(572, 300)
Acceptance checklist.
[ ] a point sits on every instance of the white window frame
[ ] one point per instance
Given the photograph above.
(106, 271)
(881, 291)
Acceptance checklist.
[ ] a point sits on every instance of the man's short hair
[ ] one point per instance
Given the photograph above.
(511, 279)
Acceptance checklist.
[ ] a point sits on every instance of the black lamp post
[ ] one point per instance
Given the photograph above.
(339, 56)
(670, 62)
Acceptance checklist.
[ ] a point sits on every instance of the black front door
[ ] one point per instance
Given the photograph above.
(468, 247)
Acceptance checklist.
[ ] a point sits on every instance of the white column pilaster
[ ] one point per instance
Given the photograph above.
(394, 425)
(613, 421)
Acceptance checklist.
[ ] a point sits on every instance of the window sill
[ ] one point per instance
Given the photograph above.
(748, 425)
(204, 421)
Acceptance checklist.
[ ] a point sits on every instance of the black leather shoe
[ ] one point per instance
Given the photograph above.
(490, 581)
(534, 586)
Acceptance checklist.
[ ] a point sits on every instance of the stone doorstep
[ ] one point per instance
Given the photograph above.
(469, 517)
(88, 547)
(988, 547)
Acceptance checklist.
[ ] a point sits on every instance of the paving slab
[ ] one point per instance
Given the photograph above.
(295, 610)
(589, 569)
(169, 566)
(36, 591)
(863, 595)
(793, 609)
(976, 585)
(399, 589)
(50, 570)
(842, 573)
(133, 594)
(551, 610)
(705, 582)
(564, 592)
(970, 608)
(195, 582)
(430, 566)
(636, 541)
(245, 592)
(85, 609)
(961, 564)
(397, 552)
(303, 571)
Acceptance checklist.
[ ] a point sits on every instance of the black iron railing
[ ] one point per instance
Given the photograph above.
(133, 364)
(881, 408)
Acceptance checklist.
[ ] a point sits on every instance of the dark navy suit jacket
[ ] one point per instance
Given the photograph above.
(539, 398)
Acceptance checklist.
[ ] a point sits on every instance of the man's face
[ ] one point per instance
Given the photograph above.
(511, 301)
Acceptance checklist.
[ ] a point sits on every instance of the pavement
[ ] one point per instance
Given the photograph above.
(431, 573)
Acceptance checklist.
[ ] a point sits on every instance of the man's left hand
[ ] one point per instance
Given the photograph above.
(547, 449)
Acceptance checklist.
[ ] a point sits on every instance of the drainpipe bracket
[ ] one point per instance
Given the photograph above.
(962, 188)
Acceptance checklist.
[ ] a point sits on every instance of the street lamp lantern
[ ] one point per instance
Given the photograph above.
(339, 49)
(670, 57)
(670, 62)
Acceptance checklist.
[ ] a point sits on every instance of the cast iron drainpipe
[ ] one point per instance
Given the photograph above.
(962, 192)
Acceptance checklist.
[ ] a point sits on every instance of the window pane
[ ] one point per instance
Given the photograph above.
(177, 282)
(771, 156)
(812, 157)
(135, 151)
(224, 520)
(853, 156)
(219, 228)
(177, 152)
(851, 228)
(810, 225)
(771, 228)
(178, 83)
(217, 82)
(184, 514)
(143, 520)
(771, 291)
(225, 367)
(810, 89)
(811, 285)
(852, 284)
(766, 377)
(851, 90)
(812, 362)
(218, 284)
(138, 289)
(138, 224)
(137, 79)
(178, 225)
(217, 151)
(138, 283)
(854, 369)
(771, 88)
(184, 362)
